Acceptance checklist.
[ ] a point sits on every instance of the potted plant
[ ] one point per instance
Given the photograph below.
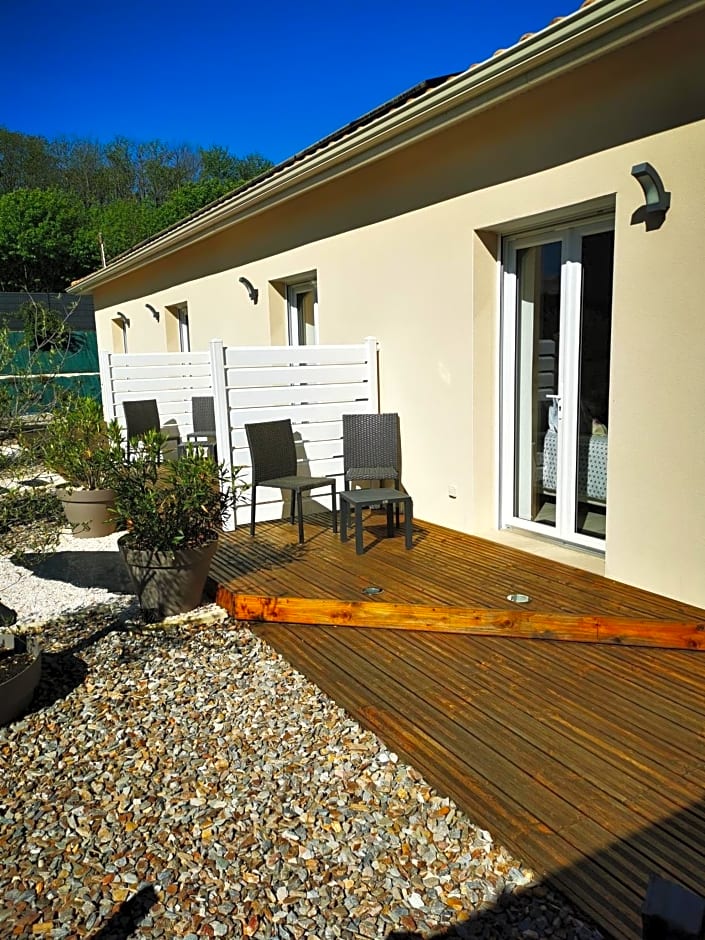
(20, 672)
(85, 451)
(173, 512)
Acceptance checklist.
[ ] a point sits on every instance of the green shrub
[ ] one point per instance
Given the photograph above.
(168, 505)
(79, 446)
(30, 520)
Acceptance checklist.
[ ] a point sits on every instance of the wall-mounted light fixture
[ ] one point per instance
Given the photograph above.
(251, 289)
(658, 201)
(155, 312)
(124, 321)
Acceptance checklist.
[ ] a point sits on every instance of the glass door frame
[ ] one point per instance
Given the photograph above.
(297, 328)
(568, 380)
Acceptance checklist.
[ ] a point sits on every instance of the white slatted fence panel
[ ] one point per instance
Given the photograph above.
(312, 385)
(171, 378)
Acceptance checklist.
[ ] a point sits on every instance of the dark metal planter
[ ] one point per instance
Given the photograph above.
(16, 693)
(168, 583)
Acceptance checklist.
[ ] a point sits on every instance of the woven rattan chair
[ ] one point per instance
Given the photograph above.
(371, 449)
(273, 453)
(203, 416)
(140, 417)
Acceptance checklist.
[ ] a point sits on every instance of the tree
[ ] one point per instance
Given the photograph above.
(25, 162)
(219, 164)
(57, 196)
(123, 223)
(161, 169)
(187, 199)
(31, 359)
(45, 241)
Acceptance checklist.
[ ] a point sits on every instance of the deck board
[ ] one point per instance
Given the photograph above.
(587, 761)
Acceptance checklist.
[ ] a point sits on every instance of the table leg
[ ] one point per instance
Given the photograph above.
(358, 529)
(344, 509)
(408, 517)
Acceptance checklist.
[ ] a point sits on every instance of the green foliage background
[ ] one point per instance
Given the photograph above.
(58, 197)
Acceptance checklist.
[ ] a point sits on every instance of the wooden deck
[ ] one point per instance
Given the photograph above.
(587, 761)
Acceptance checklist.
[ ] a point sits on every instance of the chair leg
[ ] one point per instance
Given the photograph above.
(300, 508)
(335, 506)
(292, 512)
(253, 509)
(390, 523)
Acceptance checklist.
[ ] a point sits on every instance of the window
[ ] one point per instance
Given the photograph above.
(177, 328)
(557, 322)
(302, 303)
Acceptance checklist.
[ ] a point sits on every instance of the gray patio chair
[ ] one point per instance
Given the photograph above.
(203, 417)
(140, 417)
(371, 449)
(273, 453)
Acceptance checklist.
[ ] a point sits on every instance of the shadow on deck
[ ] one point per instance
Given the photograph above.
(585, 760)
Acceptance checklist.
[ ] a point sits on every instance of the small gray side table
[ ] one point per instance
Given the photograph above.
(363, 499)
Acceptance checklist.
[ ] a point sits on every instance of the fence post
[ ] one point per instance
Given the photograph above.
(106, 385)
(222, 416)
(372, 376)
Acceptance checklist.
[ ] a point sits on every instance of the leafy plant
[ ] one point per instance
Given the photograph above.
(30, 361)
(79, 445)
(30, 520)
(166, 506)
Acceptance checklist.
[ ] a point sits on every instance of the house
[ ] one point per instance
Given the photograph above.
(525, 240)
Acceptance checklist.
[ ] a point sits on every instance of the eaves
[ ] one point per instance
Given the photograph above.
(593, 30)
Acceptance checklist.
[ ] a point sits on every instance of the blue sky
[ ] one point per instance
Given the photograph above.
(270, 77)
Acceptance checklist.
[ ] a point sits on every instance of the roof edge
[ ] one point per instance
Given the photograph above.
(592, 30)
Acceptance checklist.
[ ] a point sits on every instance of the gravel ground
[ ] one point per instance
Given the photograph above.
(182, 780)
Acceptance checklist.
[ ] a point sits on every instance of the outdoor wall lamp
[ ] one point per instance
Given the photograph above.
(155, 312)
(251, 289)
(124, 321)
(658, 201)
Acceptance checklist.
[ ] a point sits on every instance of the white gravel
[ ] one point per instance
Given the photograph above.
(79, 573)
(202, 773)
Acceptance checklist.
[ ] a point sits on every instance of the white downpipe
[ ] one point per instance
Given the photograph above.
(372, 373)
(222, 416)
(106, 385)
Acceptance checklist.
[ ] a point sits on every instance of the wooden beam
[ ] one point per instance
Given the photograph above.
(520, 624)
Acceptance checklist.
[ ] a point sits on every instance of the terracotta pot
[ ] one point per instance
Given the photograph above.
(87, 512)
(168, 583)
(16, 692)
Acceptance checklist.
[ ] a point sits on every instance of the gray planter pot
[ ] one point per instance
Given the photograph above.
(168, 583)
(16, 692)
(87, 512)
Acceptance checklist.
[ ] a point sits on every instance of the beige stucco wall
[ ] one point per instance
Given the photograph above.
(406, 249)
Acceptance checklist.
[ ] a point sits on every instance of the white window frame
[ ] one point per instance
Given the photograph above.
(570, 235)
(183, 324)
(293, 292)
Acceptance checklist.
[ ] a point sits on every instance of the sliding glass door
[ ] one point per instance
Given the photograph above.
(557, 316)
